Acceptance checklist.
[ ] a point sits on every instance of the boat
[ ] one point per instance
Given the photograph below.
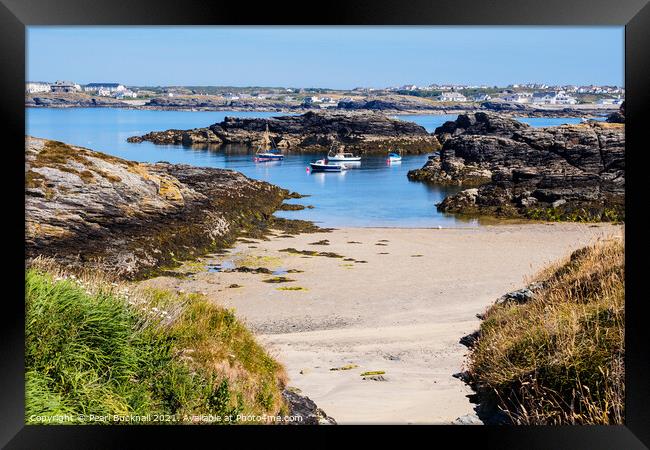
(340, 155)
(394, 157)
(323, 165)
(266, 151)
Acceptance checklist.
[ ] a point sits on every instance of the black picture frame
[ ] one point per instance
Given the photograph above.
(16, 15)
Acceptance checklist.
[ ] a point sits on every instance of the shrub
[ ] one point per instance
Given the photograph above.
(558, 359)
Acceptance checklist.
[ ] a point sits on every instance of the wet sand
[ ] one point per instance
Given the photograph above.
(402, 311)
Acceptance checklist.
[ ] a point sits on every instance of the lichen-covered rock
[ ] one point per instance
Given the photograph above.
(570, 172)
(90, 209)
(309, 132)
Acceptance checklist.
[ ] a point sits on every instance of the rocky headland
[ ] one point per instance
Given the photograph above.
(569, 172)
(91, 210)
(391, 104)
(70, 100)
(532, 110)
(217, 103)
(360, 132)
(396, 104)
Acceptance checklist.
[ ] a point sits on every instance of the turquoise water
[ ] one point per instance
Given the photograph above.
(374, 194)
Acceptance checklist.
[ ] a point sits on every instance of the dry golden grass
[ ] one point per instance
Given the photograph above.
(558, 359)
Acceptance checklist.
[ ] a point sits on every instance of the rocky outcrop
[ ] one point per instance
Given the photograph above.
(92, 210)
(570, 172)
(617, 116)
(534, 110)
(215, 103)
(181, 137)
(305, 409)
(309, 132)
(70, 101)
(401, 104)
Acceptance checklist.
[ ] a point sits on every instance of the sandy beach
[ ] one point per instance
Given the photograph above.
(396, 301)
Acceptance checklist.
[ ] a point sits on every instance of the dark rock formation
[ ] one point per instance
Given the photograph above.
(570, 172)
(70, 101)
(505, 106)
(470, 340)
(532, 110)
(617, 116)
(309, 132)
(89, 209)
(400, 104)
(305, 408)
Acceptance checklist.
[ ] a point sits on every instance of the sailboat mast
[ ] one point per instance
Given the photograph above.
(266, 138)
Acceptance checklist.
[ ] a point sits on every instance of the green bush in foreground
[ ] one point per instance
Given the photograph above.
(558, 359)
(93, 347)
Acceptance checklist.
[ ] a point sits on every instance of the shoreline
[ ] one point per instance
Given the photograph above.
(396, 300)
(591, 111)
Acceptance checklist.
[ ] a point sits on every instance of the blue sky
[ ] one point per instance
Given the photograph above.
(334, 57)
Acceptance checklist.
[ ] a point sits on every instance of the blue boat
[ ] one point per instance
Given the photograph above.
(394, 157)
(323, 165)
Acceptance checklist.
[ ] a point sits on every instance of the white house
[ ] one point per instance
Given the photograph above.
(125, 94)
(481, 98)
(110, 87)
(35, 87)
(452, 97)
(610, 101)
(519, 97)
(328, 102)
(562, 98)
(64, 86)
(312, 100)
(553, 98)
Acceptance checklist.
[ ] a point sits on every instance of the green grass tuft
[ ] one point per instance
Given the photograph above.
(94, 347)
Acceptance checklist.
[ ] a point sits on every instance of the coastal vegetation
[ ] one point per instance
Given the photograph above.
(556, 356)
(96, 346)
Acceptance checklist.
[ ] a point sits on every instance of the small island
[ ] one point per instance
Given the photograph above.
(360, 132)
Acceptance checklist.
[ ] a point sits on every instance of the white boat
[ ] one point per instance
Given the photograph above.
(342, 156)
(266, 151)
(394, 157)
(323, 165)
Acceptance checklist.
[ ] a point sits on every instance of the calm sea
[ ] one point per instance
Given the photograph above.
(375, 194)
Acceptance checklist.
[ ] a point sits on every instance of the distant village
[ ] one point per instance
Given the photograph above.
(531, 93)
(102, 89)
